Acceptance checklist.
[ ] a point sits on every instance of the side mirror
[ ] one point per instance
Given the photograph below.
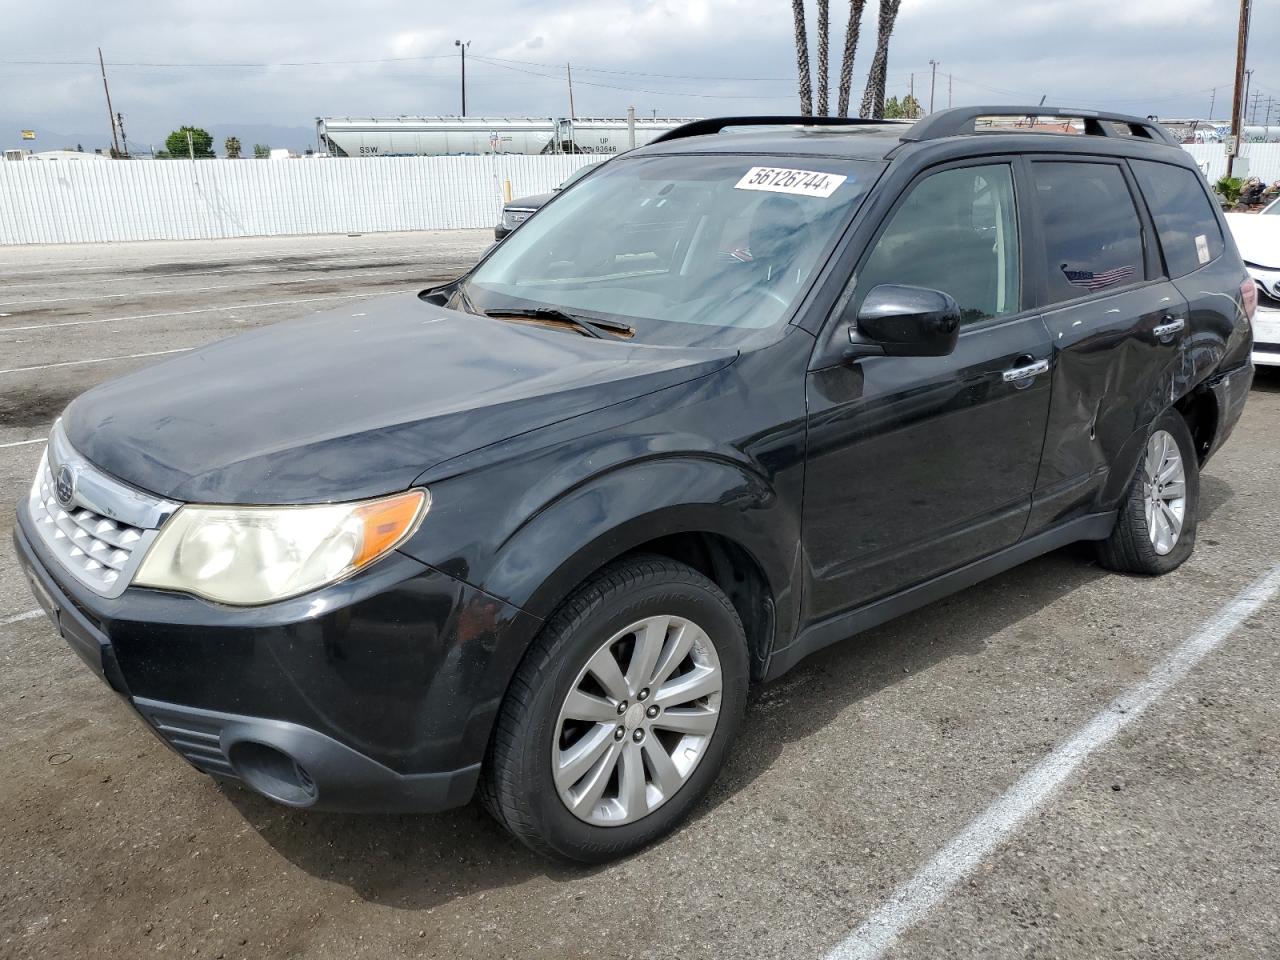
(907, 322)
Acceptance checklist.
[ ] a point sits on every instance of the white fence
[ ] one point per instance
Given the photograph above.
(1263, 159)
(94, 201)
(90, 200)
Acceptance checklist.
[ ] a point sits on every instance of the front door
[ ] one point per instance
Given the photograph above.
(917, 466)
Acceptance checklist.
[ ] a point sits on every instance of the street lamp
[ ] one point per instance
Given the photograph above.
(462, 48)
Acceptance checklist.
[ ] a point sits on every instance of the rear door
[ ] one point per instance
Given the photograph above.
(918, 465)
(1194, 249)
(1116, 322)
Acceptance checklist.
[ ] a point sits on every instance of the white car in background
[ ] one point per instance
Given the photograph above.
(1258, 237)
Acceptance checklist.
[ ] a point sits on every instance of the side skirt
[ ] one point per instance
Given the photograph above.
(837, 628)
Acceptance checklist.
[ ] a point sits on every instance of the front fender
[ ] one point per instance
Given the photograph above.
(616, 512)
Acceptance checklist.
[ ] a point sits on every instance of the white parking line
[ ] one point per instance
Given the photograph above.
(23, 443)
(221, 286)
(19, 617)
(931, 884)
(77, 363)
(187, 313)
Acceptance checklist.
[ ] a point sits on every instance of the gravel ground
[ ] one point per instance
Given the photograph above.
(852, 772)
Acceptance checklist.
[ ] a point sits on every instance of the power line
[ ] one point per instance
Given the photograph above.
(640, 73)
(1140, 98)
(208, 64)
(614, 86)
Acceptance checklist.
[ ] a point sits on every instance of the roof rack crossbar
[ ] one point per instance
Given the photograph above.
(699, 128)
(960, 120)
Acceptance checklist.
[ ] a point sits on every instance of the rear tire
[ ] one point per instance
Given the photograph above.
(1155, 531)
(589, 763)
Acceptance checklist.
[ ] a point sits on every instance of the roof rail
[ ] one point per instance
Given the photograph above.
(960, 120)
(715, 124)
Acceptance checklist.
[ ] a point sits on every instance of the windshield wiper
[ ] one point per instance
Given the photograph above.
(588, 325)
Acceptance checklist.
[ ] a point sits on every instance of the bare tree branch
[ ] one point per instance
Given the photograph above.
(873, 97)
(851, 34)
(824, 105)
(802, 59)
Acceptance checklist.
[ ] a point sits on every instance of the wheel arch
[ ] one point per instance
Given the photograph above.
(1199, 408)
(719, 517)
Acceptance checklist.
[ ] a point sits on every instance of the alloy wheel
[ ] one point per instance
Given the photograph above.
(637, 721)
(1164, 491)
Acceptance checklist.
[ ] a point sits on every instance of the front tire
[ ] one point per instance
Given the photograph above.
(1156, 528)
(621, 714)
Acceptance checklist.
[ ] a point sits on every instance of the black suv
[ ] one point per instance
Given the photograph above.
(534, 532)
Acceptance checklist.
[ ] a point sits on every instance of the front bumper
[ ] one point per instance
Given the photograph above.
(374, 694)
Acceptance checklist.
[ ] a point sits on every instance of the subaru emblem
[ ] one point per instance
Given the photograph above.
(64, 488)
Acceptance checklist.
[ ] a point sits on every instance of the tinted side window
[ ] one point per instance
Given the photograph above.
(957, 231)
(1092, 234)
(1188, 230)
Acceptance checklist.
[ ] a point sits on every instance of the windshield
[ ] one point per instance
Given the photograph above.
(685, 249)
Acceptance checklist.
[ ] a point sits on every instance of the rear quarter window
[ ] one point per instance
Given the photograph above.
(1092, 234)
(1185, 222)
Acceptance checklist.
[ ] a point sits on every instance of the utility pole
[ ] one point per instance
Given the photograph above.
(568, 72)
(124, 141)
(1237, 99)
(1253, 116)
(948, 91)
(911, 92)
(933, 82)
(111, 116)
(631, 128)
(462, 48)
(1213, 97)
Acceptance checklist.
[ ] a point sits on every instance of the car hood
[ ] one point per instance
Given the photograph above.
(1257, 237)
(344, 405)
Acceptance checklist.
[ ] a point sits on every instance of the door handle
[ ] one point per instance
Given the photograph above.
(1014, 374)
(1168, 328)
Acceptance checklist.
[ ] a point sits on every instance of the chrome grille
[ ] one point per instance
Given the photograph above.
(101, 533)
(93, 547)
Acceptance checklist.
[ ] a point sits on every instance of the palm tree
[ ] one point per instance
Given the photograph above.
(873, 97)
(850, 48)
(802, 59)
(823, 106)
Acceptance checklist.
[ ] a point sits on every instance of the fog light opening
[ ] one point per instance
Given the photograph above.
(272, 773)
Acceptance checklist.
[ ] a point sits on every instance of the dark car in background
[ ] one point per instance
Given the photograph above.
(517, 211)
(740, 394)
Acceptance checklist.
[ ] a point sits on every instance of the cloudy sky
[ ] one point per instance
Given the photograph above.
(282, 63)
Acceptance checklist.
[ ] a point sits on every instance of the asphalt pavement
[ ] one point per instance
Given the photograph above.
(887, 798)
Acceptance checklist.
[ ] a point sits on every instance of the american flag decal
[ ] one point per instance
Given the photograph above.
(1096, 281)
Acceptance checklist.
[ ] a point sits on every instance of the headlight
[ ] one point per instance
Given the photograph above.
(248, 555)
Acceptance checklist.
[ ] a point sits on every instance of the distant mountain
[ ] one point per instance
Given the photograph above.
(297, 139)
(11, 138)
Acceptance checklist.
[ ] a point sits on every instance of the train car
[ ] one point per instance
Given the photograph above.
(455, 136)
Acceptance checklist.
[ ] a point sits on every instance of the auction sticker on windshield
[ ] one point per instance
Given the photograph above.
(809, 183)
